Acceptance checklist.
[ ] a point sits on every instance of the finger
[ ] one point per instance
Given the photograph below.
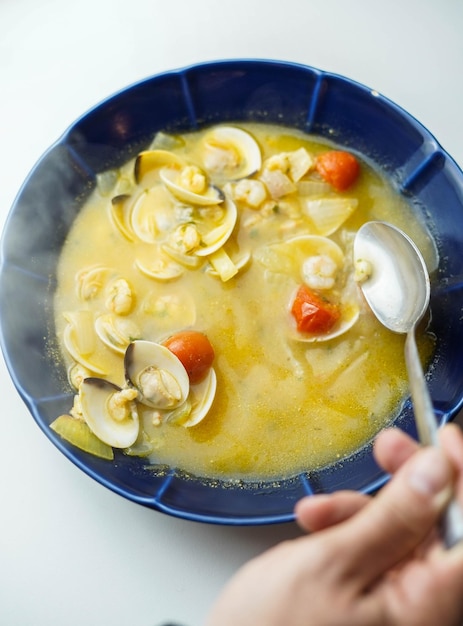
(392, 448)
(318, 512)
(451, 439)
(397, 520)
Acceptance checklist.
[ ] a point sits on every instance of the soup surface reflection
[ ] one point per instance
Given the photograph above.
(243, 234)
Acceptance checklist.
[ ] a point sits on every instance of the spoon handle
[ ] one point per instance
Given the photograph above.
(452, 520)
(424, 411)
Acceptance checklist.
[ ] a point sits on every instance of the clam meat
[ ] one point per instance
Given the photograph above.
(190, 185)
(158, 375)
(230, 153)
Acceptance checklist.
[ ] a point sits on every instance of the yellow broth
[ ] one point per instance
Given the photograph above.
(281, 405)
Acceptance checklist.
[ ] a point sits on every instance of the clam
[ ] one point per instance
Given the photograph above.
(79, 340)
(181, 183)
(120, 213)
(76, 374)
(216, 237)
(177, 254)
(158, 375)
(150, 161)
(116, 332)
(197, 405)
(230, 153)
(90, 280)
(318, 262)
(201, 398)
(147, 214)
(160, 268)
(110, 412)
(350, 310)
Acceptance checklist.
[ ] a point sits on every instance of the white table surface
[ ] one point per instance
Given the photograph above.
(72, 552)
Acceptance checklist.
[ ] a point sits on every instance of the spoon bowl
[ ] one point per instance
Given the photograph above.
(396, 286)
(398, 290)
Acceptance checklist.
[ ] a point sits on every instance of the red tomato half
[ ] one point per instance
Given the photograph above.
(312, 313)
(339, 168)
(195, 352)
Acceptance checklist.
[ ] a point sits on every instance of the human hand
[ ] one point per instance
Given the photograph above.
(369, 561)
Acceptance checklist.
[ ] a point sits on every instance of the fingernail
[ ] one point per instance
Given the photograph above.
(430, 474)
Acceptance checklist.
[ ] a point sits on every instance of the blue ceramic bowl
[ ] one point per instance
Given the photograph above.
(115, 130)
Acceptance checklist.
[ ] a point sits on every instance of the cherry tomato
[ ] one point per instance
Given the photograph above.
(195, 352)
(312, 313)
(338, 168)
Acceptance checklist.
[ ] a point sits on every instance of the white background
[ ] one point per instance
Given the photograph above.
(72, 552)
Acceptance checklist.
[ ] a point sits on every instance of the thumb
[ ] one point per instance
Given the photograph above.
(399, 518)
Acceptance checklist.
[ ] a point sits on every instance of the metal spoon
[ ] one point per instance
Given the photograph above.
(396, 287)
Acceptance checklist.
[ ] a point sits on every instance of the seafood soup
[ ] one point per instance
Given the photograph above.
(209, 309)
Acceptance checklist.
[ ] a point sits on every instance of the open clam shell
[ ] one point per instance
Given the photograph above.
(90, 280)
(116, 332)
(350, 311)
(201, 397)
(150, 213)
(120, 209)
(230, 153)
(110, 412)
(211, 195)
(73, 342)
(219, 235)
(158, 375)
(150, 162)
(289, 258)
(160, 268)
